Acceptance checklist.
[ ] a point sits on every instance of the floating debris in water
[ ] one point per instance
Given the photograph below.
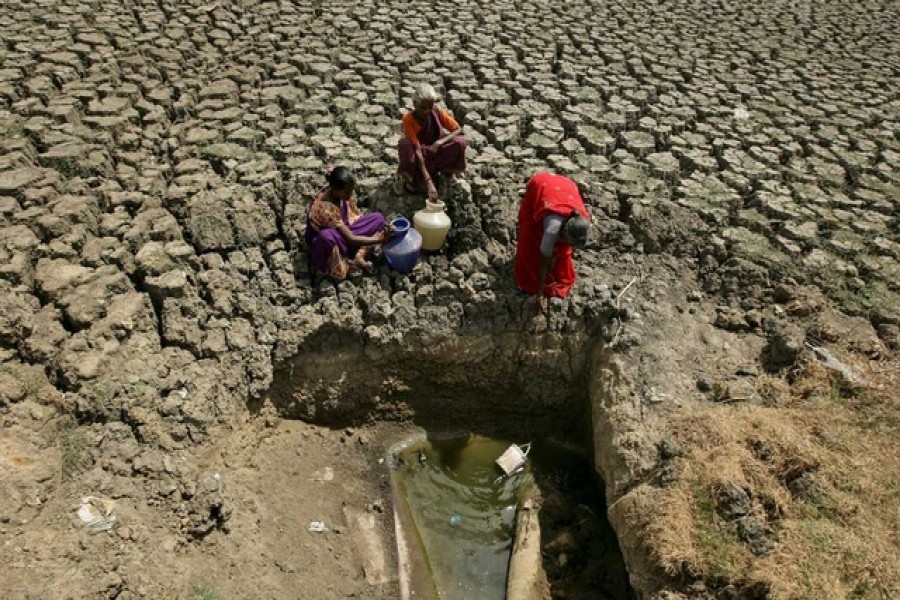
(513, 459)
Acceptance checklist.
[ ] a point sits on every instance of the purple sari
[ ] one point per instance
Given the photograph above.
(329, 250)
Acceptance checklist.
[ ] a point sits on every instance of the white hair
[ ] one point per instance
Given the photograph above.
(425, 91)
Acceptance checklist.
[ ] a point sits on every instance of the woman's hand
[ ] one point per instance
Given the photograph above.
(542, 304)
(432, 192)
(387, 232)
(433, 148)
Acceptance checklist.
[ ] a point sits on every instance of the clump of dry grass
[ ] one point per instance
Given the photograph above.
(835, 536)
(73, 445)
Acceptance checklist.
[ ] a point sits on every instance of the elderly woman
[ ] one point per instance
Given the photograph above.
(432, 143)
(552, 221)
(337, 235)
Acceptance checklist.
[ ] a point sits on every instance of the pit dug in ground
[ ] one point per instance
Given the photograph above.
(461, 513)
(496, 388)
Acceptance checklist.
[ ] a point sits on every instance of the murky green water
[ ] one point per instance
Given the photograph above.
(464, 519)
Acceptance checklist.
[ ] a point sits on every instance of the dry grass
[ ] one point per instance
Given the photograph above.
(839, 539)
(73, 445)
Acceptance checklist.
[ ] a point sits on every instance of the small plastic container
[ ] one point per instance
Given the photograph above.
(403, 249)
(513, 459)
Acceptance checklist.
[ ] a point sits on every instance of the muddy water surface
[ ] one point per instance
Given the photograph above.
(463, 516)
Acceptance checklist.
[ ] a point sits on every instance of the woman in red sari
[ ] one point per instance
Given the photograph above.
(432, 143)
(552, 220)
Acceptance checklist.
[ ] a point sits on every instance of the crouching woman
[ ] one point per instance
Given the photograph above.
(338, 235)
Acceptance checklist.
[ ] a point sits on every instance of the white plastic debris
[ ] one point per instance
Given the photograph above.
(317, 526)
(97, 514)
(513, 459)
(324, 474)
(740, 113)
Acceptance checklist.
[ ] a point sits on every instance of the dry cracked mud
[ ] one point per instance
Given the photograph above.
(160, 334)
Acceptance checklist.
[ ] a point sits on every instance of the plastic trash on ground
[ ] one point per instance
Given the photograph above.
(317, 526)
(97, 513)
(324, 474)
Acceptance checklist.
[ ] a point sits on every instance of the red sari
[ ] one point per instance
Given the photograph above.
(546, 193)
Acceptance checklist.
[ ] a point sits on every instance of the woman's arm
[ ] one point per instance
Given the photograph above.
(360, 240)
(411, 132)
(551, 227)
(429, 185)
(449, 125)
(545, 266)
(420, 159)
(441, 141)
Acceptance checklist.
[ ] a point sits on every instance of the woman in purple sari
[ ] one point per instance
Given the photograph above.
(337, 235)
(432, 143)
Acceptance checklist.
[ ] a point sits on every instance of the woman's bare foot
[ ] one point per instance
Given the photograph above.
(361, 264)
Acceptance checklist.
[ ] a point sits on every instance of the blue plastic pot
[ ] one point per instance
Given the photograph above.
(403, 249)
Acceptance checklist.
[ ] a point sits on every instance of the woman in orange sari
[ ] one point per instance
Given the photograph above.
(432, 143)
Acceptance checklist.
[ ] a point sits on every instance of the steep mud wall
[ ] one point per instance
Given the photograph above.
(494, 381)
